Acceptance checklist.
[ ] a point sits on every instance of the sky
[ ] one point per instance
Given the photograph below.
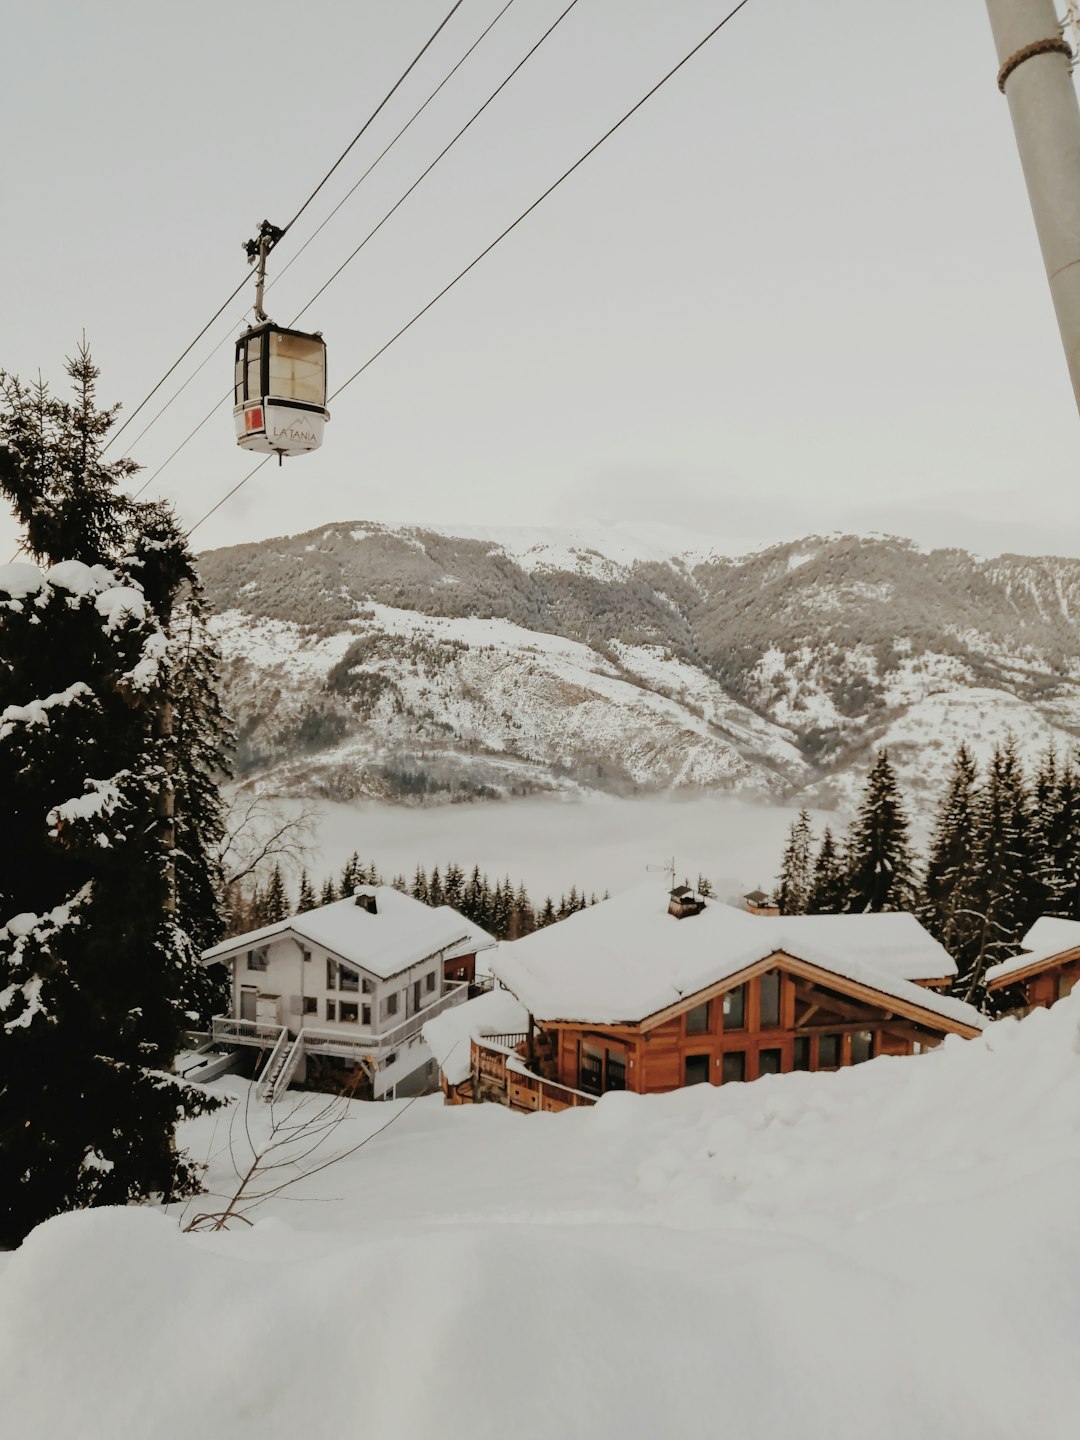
(799, 291)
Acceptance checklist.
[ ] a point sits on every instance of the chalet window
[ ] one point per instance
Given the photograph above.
(734, 1067)
(331, 1010)
(862, 1046)
(348, 979)
(305, 953)
(365, 987)
(591, 1072)
(350, 1013)
(697, 1019)
(256, 959)
(388, 1006)
(365, 1018)
(801, 1057)
(735, 1008)
(770, 1000)
(311, 1005)
(697, 1069)
(390, 1058)
(769, 1062)
(331, 974)
(616, 1071)
(429, 982)
(828, 1052)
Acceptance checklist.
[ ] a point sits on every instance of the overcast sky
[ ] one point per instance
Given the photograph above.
(799, 291)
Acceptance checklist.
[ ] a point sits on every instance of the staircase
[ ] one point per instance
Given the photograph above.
(280, 1067)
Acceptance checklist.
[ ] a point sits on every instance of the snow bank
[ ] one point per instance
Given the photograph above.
(891, 1249)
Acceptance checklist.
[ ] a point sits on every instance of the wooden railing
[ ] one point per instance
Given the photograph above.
(512, 1039)
(498, 1074)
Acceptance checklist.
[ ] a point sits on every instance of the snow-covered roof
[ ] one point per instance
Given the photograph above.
(401, 932)
(1048, 938)
(627, 958)
(496, 1012)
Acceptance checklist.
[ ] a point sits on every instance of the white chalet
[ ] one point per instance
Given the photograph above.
(348, 985)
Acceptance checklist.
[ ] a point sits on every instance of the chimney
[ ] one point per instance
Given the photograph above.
(365, 899)
(683, 901)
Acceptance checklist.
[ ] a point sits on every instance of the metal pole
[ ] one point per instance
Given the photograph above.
(1036, 79)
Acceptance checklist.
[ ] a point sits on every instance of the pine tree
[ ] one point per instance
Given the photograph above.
(435, 890)
(1065, 842)
(108, 749)
(419, 889)
(276, 905)
(795, 878)
(952, 886)
(829, 883)
(328, 894)
(305, 899)
(1005, 902)
(400, 883)
(454, 886)
(879, 857)
(350, 877)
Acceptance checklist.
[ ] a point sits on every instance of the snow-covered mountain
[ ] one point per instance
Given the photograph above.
(404, 662)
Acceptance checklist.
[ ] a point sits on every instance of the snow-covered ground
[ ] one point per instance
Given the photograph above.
(891, 1250)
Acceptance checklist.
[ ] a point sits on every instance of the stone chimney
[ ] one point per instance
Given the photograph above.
(684, 901)
(365, 899)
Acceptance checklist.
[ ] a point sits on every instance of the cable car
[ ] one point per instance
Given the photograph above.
(279, 390)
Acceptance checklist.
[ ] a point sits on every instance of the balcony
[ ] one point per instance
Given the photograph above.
(341, 1040)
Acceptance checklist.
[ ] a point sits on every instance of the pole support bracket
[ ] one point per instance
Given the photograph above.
(1058, 45)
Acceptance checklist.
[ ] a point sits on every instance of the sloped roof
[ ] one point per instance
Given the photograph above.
(402, 932)
(1048, 938)
(496, 1012)
(627, 958)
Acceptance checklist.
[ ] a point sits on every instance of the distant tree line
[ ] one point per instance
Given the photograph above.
(503, 909)
(1005, 849)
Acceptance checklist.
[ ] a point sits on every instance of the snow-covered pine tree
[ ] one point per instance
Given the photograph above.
(328, 894)
(1006, 897)
(1065, 841)
(434, 889)
(350, 876)
(98, 962)
(1047, 878)
(829, 882)
(454, 886)
(950, 904)
(275, 900)
(796, 869)
(879, 859)
(547, 914)
(305, 899)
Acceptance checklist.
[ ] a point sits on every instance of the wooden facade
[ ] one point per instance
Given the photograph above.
(1044, 981)
(778, 1015)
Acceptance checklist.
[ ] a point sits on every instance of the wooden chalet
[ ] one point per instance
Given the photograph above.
(651, 991)
(1046, 970)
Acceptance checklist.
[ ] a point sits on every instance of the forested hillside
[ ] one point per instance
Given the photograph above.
(414, 663)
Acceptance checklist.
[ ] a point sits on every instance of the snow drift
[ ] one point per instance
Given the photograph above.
(889, 1250)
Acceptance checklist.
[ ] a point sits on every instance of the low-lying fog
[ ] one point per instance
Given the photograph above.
(595, 844)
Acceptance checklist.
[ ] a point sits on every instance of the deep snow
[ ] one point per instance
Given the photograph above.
(890, 1250)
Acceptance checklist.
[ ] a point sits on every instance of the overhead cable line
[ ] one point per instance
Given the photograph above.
(397, 204)
(349, 194)
(501, 236)
(224, 306)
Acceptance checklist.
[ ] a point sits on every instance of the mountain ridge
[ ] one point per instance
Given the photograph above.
(416, 662)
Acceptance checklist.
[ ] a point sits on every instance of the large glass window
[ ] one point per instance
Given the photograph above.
(254, 362)
(331, 974)
(735, 1008)
(349, 979)
(591, 1071)
(350, 1013)
(697, 1069)
(257, 960)
(862, 1046)
(770, 1000)
(769, 1062)
(734, 1067)
(238, 380)
(697, 1019)
(828, 1052)
(616, 1070)
(297, 368)
(801, 1057)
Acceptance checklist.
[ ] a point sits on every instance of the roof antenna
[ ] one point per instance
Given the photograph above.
(668, 867)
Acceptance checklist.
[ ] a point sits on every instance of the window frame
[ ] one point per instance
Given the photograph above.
(701, 1012)
(777, 1022)
(729, 995)
(733, 1055)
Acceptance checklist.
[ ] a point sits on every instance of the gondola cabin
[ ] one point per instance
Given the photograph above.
(279, 397)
